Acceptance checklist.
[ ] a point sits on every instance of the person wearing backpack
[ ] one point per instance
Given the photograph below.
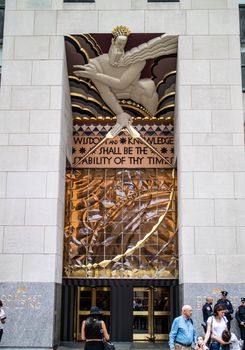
(183, 332)
(216, 324)
(94, 331)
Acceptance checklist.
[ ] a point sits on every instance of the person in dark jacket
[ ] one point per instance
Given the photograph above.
(94, 331)
(207, 311)
(2, 319)
(228, 306)
(240, 317)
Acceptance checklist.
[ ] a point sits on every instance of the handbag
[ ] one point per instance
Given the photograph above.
(108, 345)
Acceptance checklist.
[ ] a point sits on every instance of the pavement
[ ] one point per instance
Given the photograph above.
(120, 346)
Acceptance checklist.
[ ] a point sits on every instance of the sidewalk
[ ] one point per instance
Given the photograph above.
(121, 346)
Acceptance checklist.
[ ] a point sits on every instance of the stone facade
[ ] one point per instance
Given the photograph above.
(36, 130)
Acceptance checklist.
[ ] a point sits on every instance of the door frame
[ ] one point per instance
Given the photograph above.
(78, 312)
(151, 335)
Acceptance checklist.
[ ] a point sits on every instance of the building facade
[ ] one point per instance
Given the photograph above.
(36, 146)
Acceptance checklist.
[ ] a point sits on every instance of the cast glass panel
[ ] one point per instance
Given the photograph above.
(121, 224)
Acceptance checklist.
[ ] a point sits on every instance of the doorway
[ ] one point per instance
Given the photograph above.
(151, 313)
(150, 310)
(87, 297)
(149, 321)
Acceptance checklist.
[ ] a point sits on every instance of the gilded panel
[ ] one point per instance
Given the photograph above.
(121, 224)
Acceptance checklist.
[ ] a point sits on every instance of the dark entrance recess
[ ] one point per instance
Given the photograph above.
(121, 304)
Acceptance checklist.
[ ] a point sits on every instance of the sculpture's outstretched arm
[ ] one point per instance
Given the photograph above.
(123, 119)
(109, 97)
(131, 74)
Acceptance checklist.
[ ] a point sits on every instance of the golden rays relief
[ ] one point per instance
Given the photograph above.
(121, 224)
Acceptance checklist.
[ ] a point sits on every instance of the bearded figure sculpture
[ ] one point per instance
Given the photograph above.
(116, 75)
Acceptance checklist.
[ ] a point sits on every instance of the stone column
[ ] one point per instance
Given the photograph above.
(36, 133)
(210, 153)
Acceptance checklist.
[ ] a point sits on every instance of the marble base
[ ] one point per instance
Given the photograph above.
(195, 294)
(33, 311)
(33, 315)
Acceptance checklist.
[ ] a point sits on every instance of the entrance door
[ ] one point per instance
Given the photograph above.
(151, 313)
(87, 297)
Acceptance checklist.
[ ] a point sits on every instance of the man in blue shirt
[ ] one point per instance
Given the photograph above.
(182, 333)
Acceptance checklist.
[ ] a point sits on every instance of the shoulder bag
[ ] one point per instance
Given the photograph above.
(108, 345)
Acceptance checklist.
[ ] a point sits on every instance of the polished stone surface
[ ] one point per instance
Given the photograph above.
(32, 317)
(194, 294)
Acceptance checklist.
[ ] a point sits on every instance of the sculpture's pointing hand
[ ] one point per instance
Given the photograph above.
(87, 71)
(123, 121)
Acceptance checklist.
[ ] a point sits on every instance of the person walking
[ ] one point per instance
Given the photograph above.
(207, 311)
(216, 324)
(240, 317)
(183, 332)
(2, 319)
(228, 307)
(94, 330)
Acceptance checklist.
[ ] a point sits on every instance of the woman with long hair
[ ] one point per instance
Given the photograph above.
(94, 331)
(216, 324)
